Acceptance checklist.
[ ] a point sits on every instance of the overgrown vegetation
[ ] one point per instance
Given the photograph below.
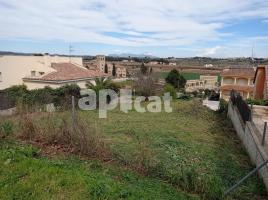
(191, 149)
(170, 89)
(33, 100)
(176, 79)
(26, 174)
(260, 102)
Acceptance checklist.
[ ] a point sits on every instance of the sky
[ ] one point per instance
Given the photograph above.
(179, 28)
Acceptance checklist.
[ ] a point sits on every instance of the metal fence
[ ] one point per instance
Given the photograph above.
(241, 105)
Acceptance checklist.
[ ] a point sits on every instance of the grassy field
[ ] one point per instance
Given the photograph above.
(191, 153)
(26, 175)
(186, 75)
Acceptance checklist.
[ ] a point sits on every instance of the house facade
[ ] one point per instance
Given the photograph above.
(204, 82)
(238, 79)
(40, 71)
(120, 71)
(261, 83)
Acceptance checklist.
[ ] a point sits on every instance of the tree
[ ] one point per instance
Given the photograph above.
(106, 69)
(144, 69)
(114, 70)
(176, 79)
(144, 85)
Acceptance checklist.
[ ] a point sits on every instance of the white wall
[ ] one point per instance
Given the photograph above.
(36, 85)
(14, 68)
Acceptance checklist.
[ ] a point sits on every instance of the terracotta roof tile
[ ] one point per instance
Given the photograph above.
(239, 72)
(68, 71)
(237, 88)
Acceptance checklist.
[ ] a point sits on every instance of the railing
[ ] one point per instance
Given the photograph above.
(241, 105)
(231, 189)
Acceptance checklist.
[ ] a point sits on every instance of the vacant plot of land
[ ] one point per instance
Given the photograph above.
(191, 153)
(186, 75)
(25, 175)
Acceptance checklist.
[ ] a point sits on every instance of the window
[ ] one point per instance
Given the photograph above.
(32, 73)
(0, 76)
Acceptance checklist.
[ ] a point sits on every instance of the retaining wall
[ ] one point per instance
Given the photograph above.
(249, 135)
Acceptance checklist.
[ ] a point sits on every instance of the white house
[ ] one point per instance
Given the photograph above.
(45, 70)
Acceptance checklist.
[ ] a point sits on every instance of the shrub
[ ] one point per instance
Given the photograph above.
(32, 100)
(58, 130)
(261, 102)
(176, 79)
(169, 88)
(145, 86)
(7, 128)
(223, 106)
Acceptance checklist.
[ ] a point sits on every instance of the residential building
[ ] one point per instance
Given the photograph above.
(43, 70)
(14, 68)
(204, 82)
(97, 64)
(62, 74)
(210, 82)
(193, 85)
(172, 64)
(208, 65)
(238, 79)
(261, 83)
(120, 71)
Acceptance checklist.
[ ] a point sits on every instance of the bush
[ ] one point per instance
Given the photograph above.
(260, 102)
(169, 88)
(223, 106)
(176, 79)
(31, 100)
(7, 128)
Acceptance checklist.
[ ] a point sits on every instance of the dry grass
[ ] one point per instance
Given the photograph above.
(51, 129)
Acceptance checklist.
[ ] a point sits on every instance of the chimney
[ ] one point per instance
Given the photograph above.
(47, 60)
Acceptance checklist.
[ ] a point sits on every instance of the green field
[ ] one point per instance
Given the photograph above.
(191, 153)
(186, 75)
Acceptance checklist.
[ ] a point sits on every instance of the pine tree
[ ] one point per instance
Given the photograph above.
(114, 70)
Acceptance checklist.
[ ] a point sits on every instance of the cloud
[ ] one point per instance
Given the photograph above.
(210, 52)
(129, 23)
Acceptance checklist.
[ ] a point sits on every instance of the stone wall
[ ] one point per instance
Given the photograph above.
(250, 137)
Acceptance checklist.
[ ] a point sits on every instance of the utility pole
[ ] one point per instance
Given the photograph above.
(252, 55)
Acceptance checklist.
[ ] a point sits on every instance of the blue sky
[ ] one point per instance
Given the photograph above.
(177, 28)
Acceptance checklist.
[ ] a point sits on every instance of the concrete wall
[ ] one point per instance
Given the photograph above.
(14, 68)
(36, 85)
(250, 138)
(8, 112)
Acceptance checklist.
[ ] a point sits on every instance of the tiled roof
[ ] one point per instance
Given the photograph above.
(246, 88)
(238, 72)
(68, 71)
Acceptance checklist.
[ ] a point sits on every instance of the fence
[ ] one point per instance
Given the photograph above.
(241, 105)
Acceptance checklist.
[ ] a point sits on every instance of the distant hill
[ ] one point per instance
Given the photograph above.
(127, 55)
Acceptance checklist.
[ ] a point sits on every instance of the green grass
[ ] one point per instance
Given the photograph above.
(186, 75)
(25, 175)
(192, 149)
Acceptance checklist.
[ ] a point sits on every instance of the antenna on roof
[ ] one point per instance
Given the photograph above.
(252, 55)
(71, 50)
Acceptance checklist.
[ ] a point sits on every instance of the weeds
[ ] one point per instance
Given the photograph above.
(6, 128)
(57, 130)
